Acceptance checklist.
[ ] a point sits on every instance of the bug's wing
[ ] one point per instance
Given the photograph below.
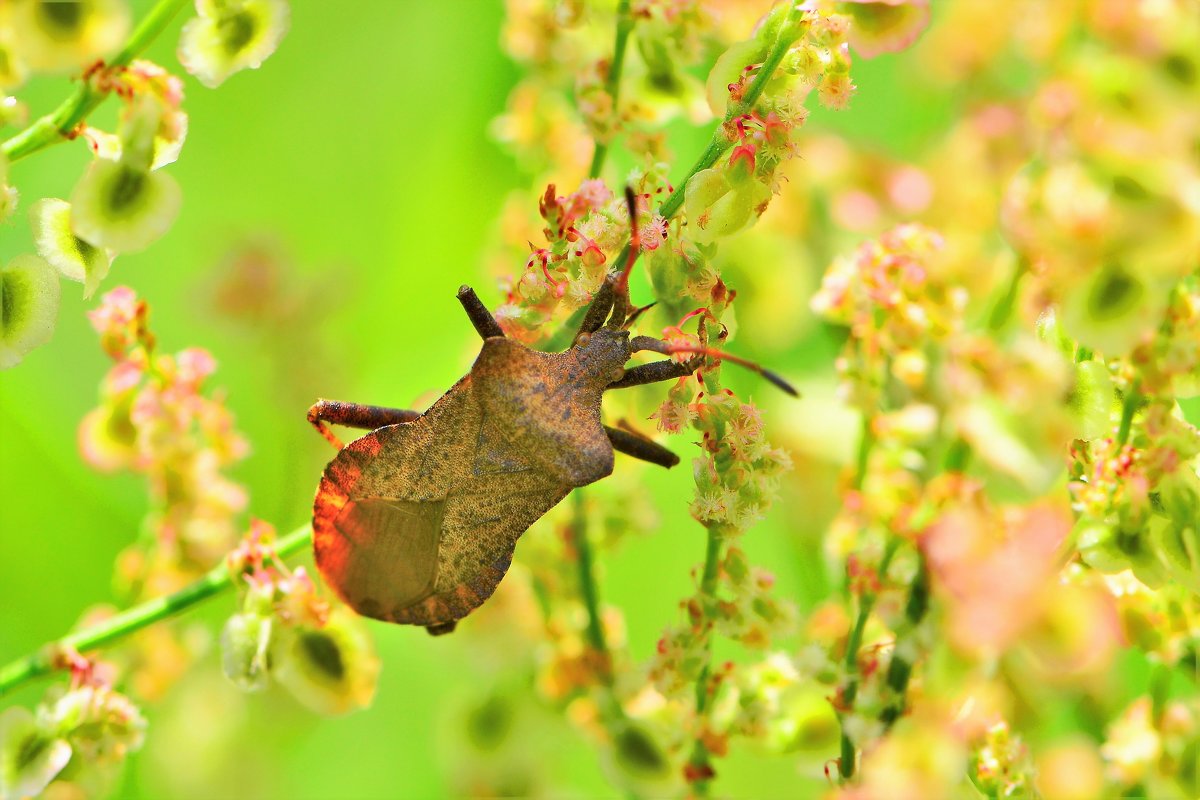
(377, 517)
(383, 554)
(417, 522)
(482, 520)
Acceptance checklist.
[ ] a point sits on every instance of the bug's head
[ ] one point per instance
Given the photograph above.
(602, 354)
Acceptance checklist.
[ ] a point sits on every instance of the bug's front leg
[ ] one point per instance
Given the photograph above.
(631, 444)
(354, 415)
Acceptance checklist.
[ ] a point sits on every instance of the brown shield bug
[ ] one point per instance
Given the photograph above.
(416, 521)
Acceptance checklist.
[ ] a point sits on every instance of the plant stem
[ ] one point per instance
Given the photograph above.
(699, 759)
(1133, 401)
(866, 441)
(587, 587)
(59, 125)
(613, 83)
(846, 765)
(708, 587)
(1005, 305)
(133, 619)
(719, 143)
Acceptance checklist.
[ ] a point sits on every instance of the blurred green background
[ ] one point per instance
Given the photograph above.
(359, 155)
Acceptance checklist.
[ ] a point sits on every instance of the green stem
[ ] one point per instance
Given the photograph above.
(587, 586)
(846, 765)
(1133, 401)
(1007, 302)
(708, 587)
(59, 125)
(613, 84)
(900, 670)
(866, 441)
(699, 758)
(133, 619)
(718, 143)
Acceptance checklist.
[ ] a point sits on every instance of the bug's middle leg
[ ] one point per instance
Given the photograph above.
(631, 444)
(354, 415)
(653, 372)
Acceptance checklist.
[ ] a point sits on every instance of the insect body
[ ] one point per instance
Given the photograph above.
(416, 521)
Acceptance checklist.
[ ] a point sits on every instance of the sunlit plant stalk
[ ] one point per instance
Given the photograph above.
(215, 582)
(60, 124)
(613, 83)
(848, 755)
(719, 143)
(699, 758)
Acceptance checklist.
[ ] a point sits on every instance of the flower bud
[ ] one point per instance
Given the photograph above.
(1178, 548)
(729, 69)
(715, 208)
(1179, 495)
(102, 725)
(1097, 544)
(1091, 400)
(245, 650)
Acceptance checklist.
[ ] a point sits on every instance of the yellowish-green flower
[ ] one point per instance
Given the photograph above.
(30, 755)
(639, 762)
(884, 26)
(121, 207)
(1113, 309)
(29, 294)
(56, 35)
(12, 68)
(332, 669)
(231, 35)
(57, 243)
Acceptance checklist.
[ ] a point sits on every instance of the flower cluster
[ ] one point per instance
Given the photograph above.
(77, 738)
(287, 633)
(943, 365)
(123, 202)
(157, 418)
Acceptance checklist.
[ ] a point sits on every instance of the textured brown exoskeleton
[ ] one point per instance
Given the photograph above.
(416, 522)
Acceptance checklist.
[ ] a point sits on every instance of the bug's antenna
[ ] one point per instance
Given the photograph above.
(635, 241)
(637, 312)
(659, 346)
(621, 289)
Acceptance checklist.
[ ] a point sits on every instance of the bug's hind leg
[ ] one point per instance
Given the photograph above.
(483, 321)
(631, 444)
(354, 415)
(441, 630)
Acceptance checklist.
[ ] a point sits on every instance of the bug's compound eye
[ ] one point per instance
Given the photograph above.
(616, 375)
(582, 339)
